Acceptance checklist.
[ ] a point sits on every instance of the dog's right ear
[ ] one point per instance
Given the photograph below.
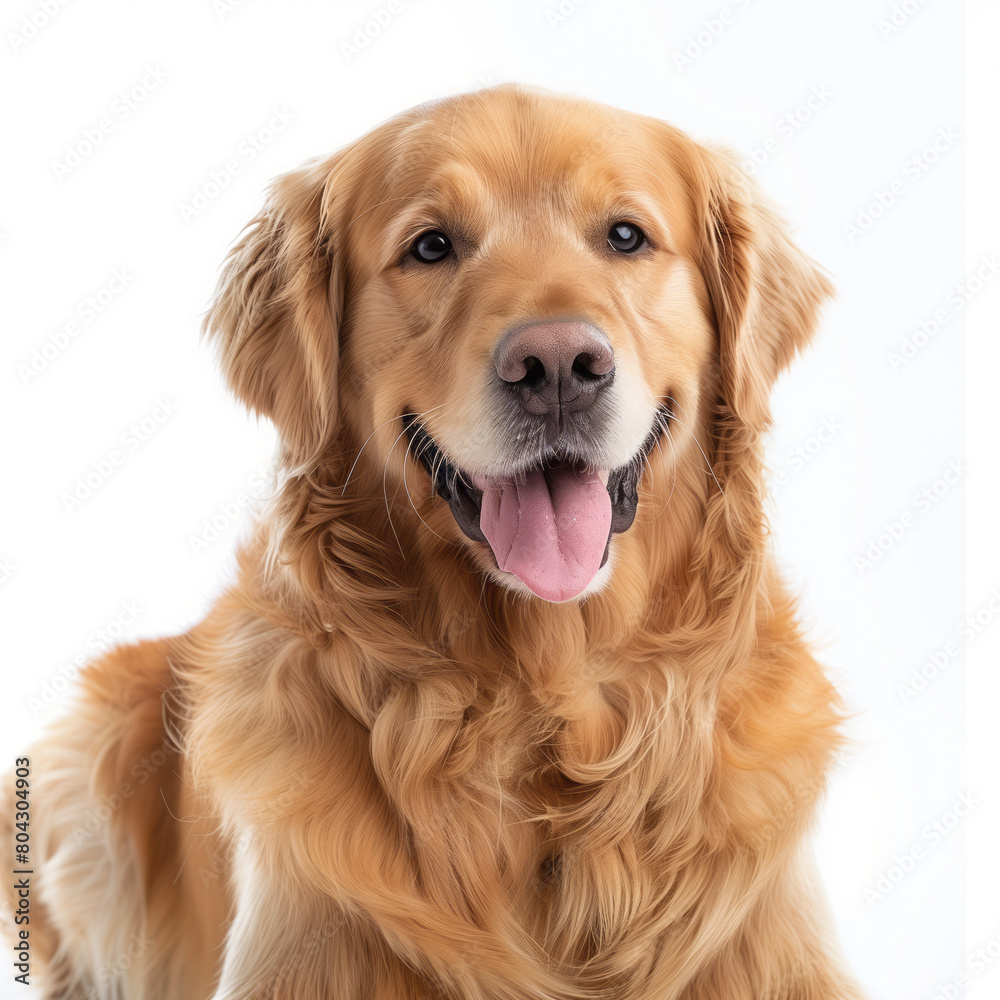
(277, 309)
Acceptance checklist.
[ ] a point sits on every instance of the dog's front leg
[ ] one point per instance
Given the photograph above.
(783, 950)
(288, 944)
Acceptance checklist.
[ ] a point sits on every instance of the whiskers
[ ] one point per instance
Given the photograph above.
(694, 437)
(360, 450)
(673, 454)
(385, 472)
(445, 475)
(425, 444)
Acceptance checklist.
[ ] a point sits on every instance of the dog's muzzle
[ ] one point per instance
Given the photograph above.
(549, 523)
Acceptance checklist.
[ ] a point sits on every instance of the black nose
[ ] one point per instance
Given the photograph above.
(553, 367)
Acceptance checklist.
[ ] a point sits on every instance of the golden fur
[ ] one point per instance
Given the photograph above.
(384, 774)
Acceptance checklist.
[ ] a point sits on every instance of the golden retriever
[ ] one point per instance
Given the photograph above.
(507, 700)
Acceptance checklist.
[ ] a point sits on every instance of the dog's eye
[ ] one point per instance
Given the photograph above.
(431, 247)
(625, 237)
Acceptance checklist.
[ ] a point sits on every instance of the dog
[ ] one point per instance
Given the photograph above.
(507, 700)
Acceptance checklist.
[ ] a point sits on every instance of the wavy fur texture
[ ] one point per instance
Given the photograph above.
(374, 772)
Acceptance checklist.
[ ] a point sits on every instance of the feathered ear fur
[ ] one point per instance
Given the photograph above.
(765, 292)
(276, 312)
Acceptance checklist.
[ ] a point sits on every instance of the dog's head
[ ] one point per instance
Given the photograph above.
(505, 307)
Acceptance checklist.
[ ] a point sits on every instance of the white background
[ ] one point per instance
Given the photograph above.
(231, 72)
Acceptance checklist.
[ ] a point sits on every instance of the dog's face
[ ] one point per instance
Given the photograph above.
(528, 304)
(508, 302)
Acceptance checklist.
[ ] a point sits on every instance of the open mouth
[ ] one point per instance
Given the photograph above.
(549, 524)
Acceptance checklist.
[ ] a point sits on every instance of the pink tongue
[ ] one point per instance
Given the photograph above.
(549, 530)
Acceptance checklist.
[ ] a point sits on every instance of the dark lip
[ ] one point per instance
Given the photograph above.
(453, 485)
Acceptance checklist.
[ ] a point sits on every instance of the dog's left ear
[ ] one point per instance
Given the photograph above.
(276, 312)
(766, 293)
